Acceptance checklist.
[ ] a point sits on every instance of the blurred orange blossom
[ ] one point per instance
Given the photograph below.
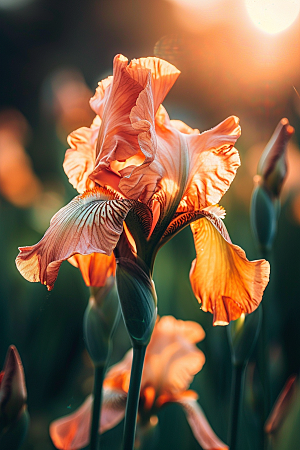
(172, 359)
(159, 175)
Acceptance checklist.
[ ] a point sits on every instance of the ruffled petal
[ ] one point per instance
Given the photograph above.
(200, 426)
(222, 278)
(137, 181)
(95, 268)
(213, 162)
(91, 222)
(97, 102)
(79, 160)
(72, 432)
(117, 138)
(172, 358)
(163, 76)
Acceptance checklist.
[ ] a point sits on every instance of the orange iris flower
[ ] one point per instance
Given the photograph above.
(172, 360)
(159, 175)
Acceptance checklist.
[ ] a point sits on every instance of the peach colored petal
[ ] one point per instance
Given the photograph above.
(118, 375)
(183, 127)
(200, 426)
(95, 268)
(137, 181)
(79, 160)
(97, 102)
(172, 359)
(222, 278)
(213, 162)
(72, 432)
(117, 139)
(91, 222)
(163, 76)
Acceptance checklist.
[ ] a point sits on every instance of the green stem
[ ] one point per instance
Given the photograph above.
(98, 382)
(264, 360)
(236, 396)
(133, 396)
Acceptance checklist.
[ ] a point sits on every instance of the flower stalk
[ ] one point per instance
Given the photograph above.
(236, 400)
(98, 382)
(133, 396)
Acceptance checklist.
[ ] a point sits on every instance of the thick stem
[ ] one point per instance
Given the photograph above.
(236, 397)
(133, 396)
(98, 382)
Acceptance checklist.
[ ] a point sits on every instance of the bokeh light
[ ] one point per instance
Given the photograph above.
(273, 16)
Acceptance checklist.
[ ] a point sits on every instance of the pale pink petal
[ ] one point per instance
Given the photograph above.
(163, 76)
(79, 160)
(91, 222)
(200, 426)
(117, 138)
(172, 358)
(72, 432)
(222, 278)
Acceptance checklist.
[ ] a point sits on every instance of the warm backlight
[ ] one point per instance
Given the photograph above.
(273, 16)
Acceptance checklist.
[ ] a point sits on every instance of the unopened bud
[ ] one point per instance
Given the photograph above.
(99, 321)
(138, 300)
(272, 167)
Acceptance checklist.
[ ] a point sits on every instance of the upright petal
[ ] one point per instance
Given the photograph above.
(95, 268)
(222, 278)
(137, 181)
(163, 76)
(200, 425)
(213, 162)
(72, 432)
(117, 138)
(91, 222)
(79, 160)
(97, 102)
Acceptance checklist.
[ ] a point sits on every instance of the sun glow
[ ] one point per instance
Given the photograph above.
(273, 16)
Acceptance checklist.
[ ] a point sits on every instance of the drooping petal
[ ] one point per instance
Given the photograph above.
(163, 76)
(91, 222)
(172, 358)
(222, 278)
(117, 138)
(200, 425)
(79, 160)
(95, 268)
(72, 432)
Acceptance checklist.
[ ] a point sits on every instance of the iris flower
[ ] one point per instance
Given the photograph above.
(136, 166)
(172, 360)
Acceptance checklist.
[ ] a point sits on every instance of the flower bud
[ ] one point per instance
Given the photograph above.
(13, 395)
(99, 321)
(138, 300)
(272, 171)
(242, 336)
(272, 167)
(264, 214)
